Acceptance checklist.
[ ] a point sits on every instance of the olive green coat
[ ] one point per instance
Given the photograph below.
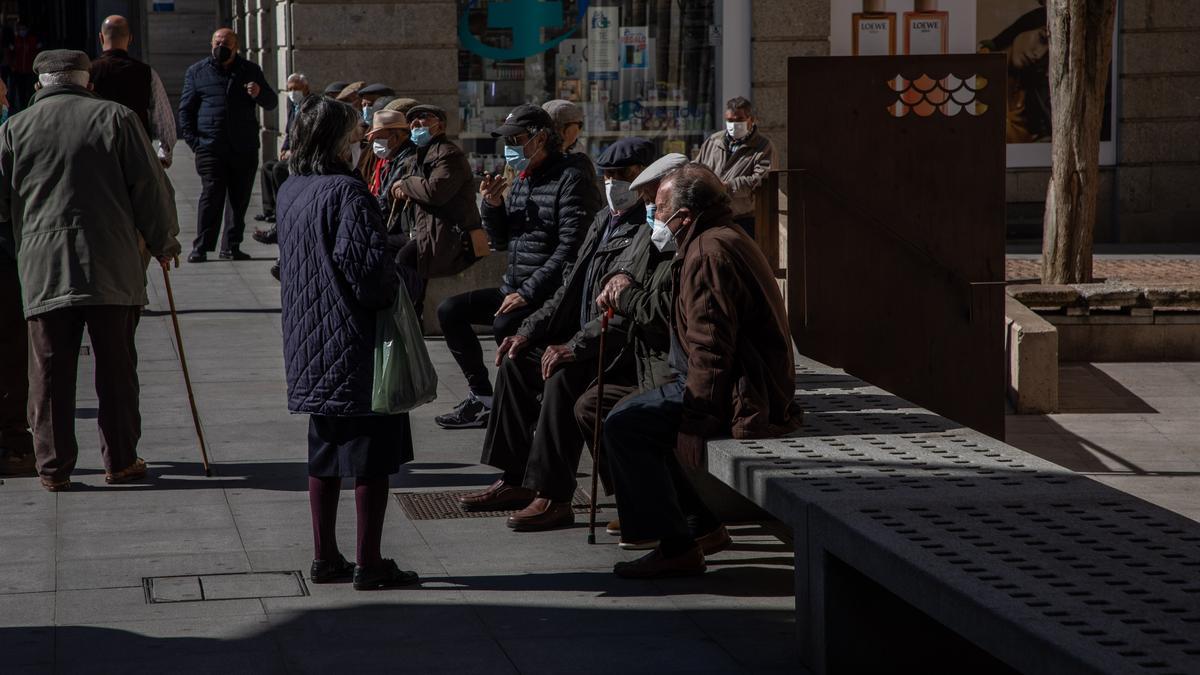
(79, 183)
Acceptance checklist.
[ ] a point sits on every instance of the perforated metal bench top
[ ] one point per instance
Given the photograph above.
(1109, 581)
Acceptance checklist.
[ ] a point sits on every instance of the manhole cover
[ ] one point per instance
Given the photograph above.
(444, 504)
(233, 586)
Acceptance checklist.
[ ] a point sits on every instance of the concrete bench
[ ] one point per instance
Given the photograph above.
(924, 546)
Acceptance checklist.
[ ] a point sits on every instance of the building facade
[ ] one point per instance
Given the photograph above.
(662, 68)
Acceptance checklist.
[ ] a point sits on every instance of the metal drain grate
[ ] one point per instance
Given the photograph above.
(226, 586)
(444, 505)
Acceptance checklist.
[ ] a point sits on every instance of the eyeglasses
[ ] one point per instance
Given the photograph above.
(519, 139)
(425, 116)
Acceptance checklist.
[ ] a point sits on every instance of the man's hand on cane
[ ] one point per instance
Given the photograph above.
(612, 291)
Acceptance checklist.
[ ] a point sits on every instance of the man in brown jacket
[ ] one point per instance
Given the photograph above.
(732, 352)
(741, 158)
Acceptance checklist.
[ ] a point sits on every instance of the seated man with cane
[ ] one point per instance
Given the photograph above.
(554, 356)
(642, 293)
(731, 353)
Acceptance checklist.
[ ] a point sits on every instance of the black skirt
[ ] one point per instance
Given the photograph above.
(359, 447)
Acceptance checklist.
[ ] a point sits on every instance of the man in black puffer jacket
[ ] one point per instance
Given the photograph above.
(542, 224)
(218, 118)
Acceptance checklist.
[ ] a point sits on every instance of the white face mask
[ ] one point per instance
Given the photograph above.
(295, 96)
(380, 148)
(662, 236)
(737, 130)
(620, 197)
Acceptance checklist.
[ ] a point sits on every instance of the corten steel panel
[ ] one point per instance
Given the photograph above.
(896, 251)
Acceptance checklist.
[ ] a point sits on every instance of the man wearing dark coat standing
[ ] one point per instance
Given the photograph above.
(218, 118)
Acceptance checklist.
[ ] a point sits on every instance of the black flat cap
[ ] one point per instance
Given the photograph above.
(335, 88)
(376, 89)
(522, 119)
(60, 60)
(436, 110)
(627, 151)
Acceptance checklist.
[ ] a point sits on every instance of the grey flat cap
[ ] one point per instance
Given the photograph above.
(563, 112)
(61, 60)
(658, 169)
(435, 110)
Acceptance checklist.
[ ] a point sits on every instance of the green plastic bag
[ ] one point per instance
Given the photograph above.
(404, 375)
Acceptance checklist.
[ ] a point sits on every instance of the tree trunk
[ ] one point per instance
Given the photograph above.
(1080, 58)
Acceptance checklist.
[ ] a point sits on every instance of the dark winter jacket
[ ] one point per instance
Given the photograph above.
(441, 195)
(645, 309)
(561, 319)
(542, 224)
(216, 112)
(730, 321)
(336, 270)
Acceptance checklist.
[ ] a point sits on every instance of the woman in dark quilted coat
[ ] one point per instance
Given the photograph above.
(337, 270)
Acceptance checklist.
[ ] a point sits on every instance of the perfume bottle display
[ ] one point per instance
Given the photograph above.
(926, 30)
(873, 30)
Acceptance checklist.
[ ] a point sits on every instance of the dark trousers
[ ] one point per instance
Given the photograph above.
(458, 313)
(585, 418)
(14, 365)
(272, 175)
(223, 178)
(54, 341)
(655, 498)
(532, 435)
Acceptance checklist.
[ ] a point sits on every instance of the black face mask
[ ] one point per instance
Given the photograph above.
(221, 53)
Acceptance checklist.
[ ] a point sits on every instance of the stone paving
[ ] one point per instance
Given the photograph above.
(1170, 266)
(72, 565)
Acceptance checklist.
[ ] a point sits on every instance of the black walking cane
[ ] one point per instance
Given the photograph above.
(187, 379)
(596, 430)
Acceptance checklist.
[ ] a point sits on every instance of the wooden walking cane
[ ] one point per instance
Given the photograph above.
(596, 430)
(187, 379)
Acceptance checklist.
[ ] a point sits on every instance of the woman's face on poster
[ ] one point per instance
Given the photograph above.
(1029, 47)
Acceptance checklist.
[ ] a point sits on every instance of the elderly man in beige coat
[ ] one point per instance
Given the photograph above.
(79, 185)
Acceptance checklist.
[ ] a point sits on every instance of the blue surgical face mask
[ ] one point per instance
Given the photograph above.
(662, 236)
(3, 114)
(366, 115)
(515, 156)
(421, 136)
(650, 209)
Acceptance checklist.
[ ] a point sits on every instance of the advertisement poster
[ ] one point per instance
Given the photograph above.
(633, 47)
(1016, 28)
(604, 46)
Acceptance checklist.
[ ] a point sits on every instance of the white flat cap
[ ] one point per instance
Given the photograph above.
(661, 167)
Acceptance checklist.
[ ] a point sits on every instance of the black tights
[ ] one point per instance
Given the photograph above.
(370, 500)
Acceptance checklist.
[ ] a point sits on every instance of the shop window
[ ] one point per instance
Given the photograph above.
(637, 68)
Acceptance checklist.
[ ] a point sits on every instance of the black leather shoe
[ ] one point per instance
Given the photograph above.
(262, 217)
(384, 575)
(197, 257)
(331, 571)
(268, 236)
(234, 254)
(275, 271)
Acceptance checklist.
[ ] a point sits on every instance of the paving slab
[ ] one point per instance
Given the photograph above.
(492, 601)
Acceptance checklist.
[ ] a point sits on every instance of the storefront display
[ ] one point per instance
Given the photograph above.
(637, 68)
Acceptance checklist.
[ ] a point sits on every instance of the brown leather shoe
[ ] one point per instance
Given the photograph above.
(499, 496)
(542, 514)
(135, 471)
(714, 542)
(613, 527)
(639, 545)
(654, 565)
